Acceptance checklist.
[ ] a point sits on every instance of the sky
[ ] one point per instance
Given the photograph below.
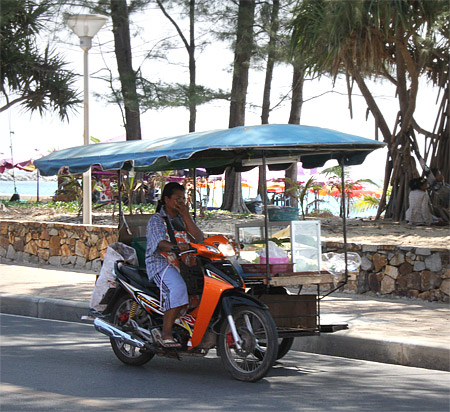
(324, 105)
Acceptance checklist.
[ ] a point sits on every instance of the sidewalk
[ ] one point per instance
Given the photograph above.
(399, 331)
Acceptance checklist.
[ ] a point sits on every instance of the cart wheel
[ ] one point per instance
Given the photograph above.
(284, 347)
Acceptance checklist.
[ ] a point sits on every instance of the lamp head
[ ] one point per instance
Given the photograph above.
(86, 26)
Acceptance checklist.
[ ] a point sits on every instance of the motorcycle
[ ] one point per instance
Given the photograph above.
(220, 315)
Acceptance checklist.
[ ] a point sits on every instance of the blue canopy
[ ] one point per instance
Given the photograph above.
(240, 147)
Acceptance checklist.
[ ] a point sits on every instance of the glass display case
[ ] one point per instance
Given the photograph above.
(301, 239)
(306, 248)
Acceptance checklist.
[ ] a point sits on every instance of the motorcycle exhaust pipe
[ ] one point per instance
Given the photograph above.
(114, 332)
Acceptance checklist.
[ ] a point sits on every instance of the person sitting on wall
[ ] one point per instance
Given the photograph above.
(419, 211)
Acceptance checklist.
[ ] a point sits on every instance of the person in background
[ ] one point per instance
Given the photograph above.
(440, 189)
(419, 211)
(171, 226)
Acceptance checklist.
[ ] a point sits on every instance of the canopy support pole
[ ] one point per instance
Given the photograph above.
(194, 174)
(266, 217)
(119, 188)
(344, 230)
(344, 217)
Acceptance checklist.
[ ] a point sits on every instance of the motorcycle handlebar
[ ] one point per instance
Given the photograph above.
(176, 250)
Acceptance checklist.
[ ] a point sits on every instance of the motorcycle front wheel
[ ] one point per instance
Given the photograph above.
(258, 332)
(120, 314)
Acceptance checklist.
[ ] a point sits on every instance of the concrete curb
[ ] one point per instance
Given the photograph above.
(376, 350)
(46, 308)
(352, 347)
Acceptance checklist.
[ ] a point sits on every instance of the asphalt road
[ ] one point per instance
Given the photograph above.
(60, 366)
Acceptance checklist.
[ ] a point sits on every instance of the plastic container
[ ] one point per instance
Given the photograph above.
(275, 261)
(283, 214)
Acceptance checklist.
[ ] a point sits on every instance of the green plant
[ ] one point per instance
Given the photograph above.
(370, 202)
(301, 190)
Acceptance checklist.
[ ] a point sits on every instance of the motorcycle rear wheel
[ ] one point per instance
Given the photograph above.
(257, 329)
(129, 354)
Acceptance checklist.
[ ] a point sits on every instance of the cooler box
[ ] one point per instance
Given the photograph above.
(140, 244)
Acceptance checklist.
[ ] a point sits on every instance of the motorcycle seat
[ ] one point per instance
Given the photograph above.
(138, 274)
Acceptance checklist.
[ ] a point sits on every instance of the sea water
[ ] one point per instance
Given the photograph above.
(48, 188)
(30, 187)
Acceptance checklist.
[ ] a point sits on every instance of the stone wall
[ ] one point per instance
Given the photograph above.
(57, 244)
(414, 272)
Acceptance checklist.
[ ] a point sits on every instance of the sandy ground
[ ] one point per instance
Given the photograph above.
(359, 231)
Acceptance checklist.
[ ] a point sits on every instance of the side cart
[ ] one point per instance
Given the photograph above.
(292, 291)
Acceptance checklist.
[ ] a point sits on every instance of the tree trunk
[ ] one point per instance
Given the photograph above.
(298, 78)
(271, 55)
(232, 199)
(122, 46)
(192, 68)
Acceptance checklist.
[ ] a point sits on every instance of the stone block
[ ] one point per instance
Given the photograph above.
(445, 286)
(4, 242)
(3, 228)
(387, 247)
(370, 248)
(34, 259)
(55, 246)
(102, 244)
(418, 266)
(397, 259)
(379, 261)
(362, 282)
(55, 260)
(433, 262)
(65, 260)
(375, 282)
(391, 271)
(31, 248)
(80, 262)
(45, 235)
(430, 280)
(409, 281)
(44, 254)
(65, 251)
(426, 296)
(93, 253)
(11, 253)
(387, 285)
(413, 293)
(81, 249)
(43, 244)
(409, 260)
(445, 274)
(366, 264)
(19, 245)
(423, 251)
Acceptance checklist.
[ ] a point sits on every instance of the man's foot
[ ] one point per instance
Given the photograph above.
(170, 343)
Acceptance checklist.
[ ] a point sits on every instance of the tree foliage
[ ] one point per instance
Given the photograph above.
(30, 77)
(398, 41)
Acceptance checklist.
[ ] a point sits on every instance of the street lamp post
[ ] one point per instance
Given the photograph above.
(86, 26)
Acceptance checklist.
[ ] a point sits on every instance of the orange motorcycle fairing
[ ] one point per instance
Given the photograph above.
(212, 291)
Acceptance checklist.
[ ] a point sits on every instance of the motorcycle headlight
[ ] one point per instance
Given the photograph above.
(226, 249)
(212, 249)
